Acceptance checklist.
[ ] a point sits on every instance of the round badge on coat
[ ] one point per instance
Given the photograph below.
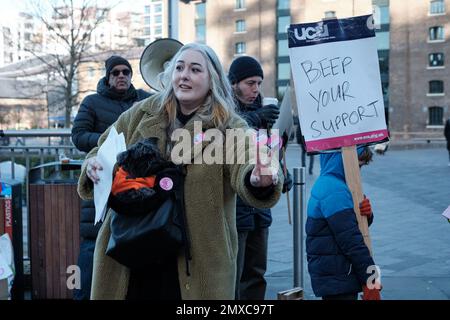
(166, 183)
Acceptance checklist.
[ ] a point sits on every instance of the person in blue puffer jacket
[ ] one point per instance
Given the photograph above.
(339, 261)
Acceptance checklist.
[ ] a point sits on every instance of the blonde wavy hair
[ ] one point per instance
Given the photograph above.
(219, 104)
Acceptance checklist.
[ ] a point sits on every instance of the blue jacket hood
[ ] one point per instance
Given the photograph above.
(332, 163)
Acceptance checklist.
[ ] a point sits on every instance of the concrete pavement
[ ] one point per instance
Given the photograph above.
(408, 189)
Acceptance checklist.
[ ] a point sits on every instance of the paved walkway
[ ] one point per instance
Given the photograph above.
(408, 189)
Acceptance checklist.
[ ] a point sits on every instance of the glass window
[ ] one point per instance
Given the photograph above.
(383, 59)
(200, 10)
(330, 14)
(436, 33)
(158, 18)
(240, 48)
(437, 6)
(157, 8)
(384, 15)
(240, 25)
(158, 30)
(147, 9)
(381, 14)
(283, 23)
(382, 39)
(385, 88)
(436, 86)
(283, 48)
(436, 115)
(280, 92)
(147, 20)
(200, 33)
(284, 71)
(146, 31)
(240, 4)
(436, 59)
(284, 4)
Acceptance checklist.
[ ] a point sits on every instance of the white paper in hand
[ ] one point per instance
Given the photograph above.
(107, 157)
(6, 257)
(446, 213)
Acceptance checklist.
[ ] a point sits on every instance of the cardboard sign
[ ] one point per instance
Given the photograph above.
(337, 82)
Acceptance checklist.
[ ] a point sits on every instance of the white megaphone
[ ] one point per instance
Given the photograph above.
(155, 59)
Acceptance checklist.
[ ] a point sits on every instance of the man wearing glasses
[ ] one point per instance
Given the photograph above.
(115, 94)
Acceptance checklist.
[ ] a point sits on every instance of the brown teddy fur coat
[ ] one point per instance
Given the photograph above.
(210, 201)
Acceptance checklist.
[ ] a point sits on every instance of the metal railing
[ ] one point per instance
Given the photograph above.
(49, 152)
(36, 147)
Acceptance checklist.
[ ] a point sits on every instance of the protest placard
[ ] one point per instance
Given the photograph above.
(338, 90)
(337, 82)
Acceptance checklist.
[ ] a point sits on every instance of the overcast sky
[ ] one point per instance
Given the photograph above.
(10, 8)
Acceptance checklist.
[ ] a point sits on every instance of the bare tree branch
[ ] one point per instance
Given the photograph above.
(70, 24)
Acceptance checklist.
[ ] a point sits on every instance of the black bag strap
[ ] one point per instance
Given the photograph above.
(179, 196)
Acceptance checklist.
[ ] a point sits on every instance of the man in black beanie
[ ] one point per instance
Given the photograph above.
(115, 94)
(246, 77)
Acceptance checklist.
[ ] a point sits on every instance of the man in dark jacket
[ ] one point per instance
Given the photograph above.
(339, 261)
(246, 76)
(115, 94)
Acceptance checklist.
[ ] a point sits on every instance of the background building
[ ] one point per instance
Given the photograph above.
(154, 20)
(233, 28)
(258, 28)
(418, 73)
(20, 35)
(411, 37)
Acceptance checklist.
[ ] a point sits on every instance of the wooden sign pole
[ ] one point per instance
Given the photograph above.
(353, 178)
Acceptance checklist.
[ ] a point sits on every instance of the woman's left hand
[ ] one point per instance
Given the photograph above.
(264, 174)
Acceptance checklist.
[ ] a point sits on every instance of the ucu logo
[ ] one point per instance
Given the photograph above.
(310, 33)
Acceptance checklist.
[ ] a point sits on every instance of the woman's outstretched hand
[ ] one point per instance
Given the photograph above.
(264, 174)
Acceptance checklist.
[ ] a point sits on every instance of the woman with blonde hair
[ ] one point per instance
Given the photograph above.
(196, 90)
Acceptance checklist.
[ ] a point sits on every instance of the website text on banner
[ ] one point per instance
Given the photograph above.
(337, 82)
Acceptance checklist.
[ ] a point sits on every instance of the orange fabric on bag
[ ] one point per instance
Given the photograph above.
(123, 183)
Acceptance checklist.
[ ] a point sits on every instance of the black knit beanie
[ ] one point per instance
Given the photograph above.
(113, 61)
(244, 67)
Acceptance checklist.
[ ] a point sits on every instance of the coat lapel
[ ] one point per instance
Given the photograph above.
(197, 128)
(153, 125)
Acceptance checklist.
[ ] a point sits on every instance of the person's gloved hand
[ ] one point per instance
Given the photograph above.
(371, 294)
(268, 114)
(287, 185)
(365, 208)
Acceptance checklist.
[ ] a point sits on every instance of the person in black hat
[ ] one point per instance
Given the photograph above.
(115, 94)
(246, 77)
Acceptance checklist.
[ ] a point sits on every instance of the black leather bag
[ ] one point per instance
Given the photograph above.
(140, 238)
